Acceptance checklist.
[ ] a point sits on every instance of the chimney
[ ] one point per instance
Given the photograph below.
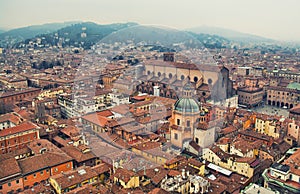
(156, 90)
(183, 173)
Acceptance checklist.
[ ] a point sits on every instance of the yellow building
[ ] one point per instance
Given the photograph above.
(151, 151)
(51, 93)
(242, 165)
(267, 126)
(127, 179)
(71, 180)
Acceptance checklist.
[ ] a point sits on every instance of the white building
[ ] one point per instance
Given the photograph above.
(118, 99)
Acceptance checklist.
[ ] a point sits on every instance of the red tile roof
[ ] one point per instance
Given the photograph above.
(41, 161)
(147, 145)
(9, 167)
(105, 113)
(124, 174)
(26, 126)
(71, 178)
(96, 119)
(77, 155)
(12, 117)
(158, 191)
(174, 173)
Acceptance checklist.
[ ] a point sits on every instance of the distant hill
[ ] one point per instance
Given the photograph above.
(20, 34)
(2, 30)
(83, 34)
(138, 33)
(86, 34)
(230, 34)
(211, 41)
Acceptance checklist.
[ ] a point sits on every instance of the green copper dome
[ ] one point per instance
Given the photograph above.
(186, 105)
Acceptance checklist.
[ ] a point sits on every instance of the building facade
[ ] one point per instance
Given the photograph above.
(250, 96)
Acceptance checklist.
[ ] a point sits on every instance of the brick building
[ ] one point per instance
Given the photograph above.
(282, 96)
(12, 97)
(18, 137)
(250, 96)
(44, 160)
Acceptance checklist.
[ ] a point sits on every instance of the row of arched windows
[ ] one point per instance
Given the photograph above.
(170, 75)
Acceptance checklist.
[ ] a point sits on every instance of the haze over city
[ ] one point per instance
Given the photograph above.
(156, 97)
(271, 19)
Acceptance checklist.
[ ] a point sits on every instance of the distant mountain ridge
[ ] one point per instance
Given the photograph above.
(95, 32)
(229, 34)
(86, 34)
(20, 34)
(2, 30)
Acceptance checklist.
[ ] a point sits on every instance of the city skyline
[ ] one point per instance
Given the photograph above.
(269, 19)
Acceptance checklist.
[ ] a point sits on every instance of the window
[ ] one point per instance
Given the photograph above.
(34, 175)
(178, 121)
(175, 136)
(197, 140)
(18, 181)
(42, 172)
(209, 81)
(9, 184)
(195, 79)
(0, 187)
(25, 178)
(188, 123)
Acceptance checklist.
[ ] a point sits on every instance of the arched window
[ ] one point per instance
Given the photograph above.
(209, 81)
(195, 79)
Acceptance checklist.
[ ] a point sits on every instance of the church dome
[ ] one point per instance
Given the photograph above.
(186, 105)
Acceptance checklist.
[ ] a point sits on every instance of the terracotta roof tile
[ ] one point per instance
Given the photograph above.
(9, 167)
(26, 126)
(77, 155)
(96, 119)
(37, 162)
(74, 177)
(123, 174)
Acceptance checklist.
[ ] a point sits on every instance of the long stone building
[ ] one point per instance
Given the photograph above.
(209, 81)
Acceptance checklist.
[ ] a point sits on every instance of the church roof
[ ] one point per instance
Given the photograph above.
(186, 105)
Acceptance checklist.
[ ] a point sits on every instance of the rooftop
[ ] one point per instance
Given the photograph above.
(26, 126)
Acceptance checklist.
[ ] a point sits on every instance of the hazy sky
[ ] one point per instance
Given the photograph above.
(278, 19)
